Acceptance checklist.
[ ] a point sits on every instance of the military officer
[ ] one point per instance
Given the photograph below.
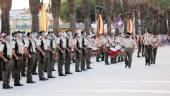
(17, 53)
(89, 51)
(68, 52)
(61, 54)
(106, 49)
(49, 54)
(53, 53)
(22, 52)
(155, 47)
(102, 47)
(129, 49)
(25, 60)
(6, 55)
(41, 55)
(30, 49)
(78, 52)
(97, 47)
(84, 51)
(34, 69)
(113, 45)
(148, 49)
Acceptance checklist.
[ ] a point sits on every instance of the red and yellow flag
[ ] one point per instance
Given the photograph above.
(100, 25)
(43, 18)
(130, 26)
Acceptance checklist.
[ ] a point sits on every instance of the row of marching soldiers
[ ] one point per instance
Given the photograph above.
(27, 54)
(35, 53)
(147, 47)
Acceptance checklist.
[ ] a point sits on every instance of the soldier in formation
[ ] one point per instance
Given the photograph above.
(36, 53)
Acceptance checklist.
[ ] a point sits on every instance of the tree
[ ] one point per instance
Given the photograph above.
(56, 4)
(109, 5)
(72, 13)
(164, 5)
(34, 9)
(5, 7)
(86, 15)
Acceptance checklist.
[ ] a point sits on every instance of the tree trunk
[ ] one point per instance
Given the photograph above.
(86, 16)
(35, 23)
(136, 22)
(125, 25)
(34, 9)
(5, 19)
(109, 5)
(87, 25)
(72, 13)
(56, 4)
(109, 22)
(169, 22)
(5, 25)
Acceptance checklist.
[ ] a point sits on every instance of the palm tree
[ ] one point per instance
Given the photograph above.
(5, 7)
(99, 6)
(108, 4)
(56, 5)
(34, 9)
(72, 13)
(86, 16)
(168, 19)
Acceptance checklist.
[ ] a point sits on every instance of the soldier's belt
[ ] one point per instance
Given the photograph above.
(9, 57)
(32, 52)
(19, 54)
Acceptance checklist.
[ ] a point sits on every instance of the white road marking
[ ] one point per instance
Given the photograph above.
(92, 91)
(128, 81)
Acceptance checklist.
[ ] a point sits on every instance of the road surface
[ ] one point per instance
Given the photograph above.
(102, 80)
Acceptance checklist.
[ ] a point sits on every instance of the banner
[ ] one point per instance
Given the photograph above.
(130, 26)
(43, 19)
(118, 22)
(100, 25)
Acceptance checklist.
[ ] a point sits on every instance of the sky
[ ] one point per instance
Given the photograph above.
(21, 4)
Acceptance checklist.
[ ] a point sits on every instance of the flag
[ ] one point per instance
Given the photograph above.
(100, 25)
(43, 18)
(130, 26)
(118, 22)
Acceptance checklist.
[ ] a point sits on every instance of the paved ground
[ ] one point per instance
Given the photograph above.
(113, 80)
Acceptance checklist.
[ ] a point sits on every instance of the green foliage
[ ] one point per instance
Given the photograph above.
(79, 17)
(117, 9)
(64, 15)
(164, 4)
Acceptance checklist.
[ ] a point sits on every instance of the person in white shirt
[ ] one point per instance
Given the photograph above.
(155, 47)
(41, 54)
(6, 56)
(48, 51)
(68, 52)
(89, 50)
(17, 53)
(106, 49)
(113, 50)
(84, 51)
(78, 52)
(129, 49)
(148, 49)
(53, 53)
(30, 50)
(61, 54)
